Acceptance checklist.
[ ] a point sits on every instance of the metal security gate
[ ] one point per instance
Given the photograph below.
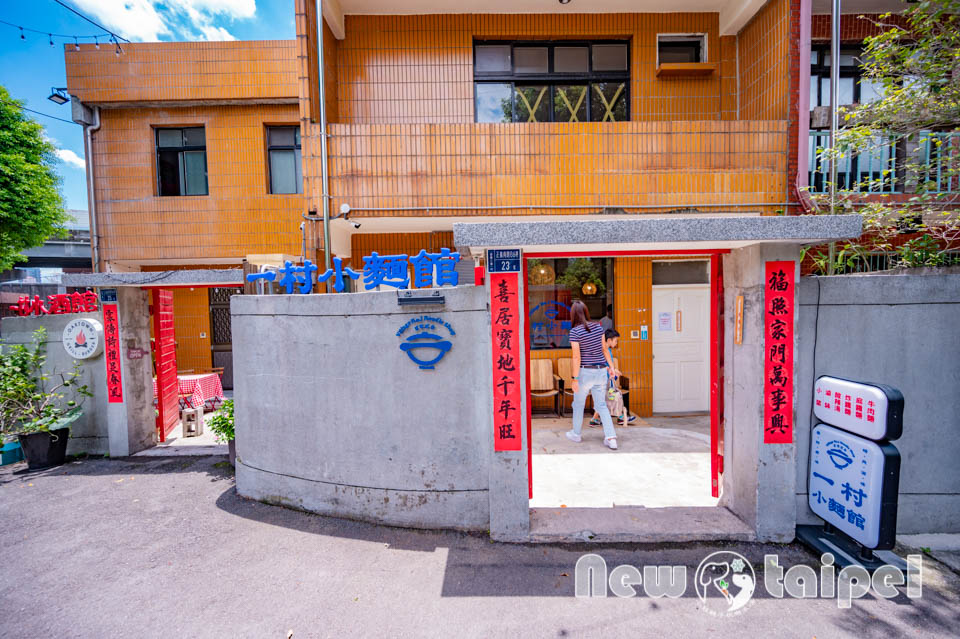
(221, 338)
(165, 362)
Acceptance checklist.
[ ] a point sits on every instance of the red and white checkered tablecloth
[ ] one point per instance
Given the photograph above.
(197, 389)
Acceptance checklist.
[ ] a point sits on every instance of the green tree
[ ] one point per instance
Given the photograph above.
(31, 207)
(916, 62)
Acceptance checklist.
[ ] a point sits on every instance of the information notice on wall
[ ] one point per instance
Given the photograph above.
(111, 349)
(505, 327)
(778, 353)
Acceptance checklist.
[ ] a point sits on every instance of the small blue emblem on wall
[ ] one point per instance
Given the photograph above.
(424, 344)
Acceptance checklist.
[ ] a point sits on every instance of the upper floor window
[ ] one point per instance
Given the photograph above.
(853, 86)
(283, 151)
(181, 161)
(681, 47)
(552, 81)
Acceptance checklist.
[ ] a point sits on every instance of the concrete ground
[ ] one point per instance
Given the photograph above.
(164, 547)
(177, 445)
(945, 548)
(661, 462)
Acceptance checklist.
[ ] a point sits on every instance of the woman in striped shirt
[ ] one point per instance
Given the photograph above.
(590, 363)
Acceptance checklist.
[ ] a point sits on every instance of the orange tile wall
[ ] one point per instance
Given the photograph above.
(418, 69)
(363, 244)
(238, 217)
(191, 319)
(251, 70)
(764, 63)
(632, 292)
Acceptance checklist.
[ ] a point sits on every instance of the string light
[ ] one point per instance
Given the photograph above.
(51, 37)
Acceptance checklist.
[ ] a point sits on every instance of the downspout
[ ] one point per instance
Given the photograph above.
(834, 98)
(324, 174)
(803, 110)
(88, 131)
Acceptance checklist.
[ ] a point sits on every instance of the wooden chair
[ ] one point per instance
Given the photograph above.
(624, 386)
(565, 380)
(543, 383)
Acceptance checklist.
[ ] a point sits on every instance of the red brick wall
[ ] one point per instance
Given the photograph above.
(853, 28)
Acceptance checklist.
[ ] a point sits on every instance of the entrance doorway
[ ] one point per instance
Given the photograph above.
(662, 308)
(668, 310)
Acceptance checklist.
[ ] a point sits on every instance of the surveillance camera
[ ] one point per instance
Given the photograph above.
(356, 225)
(344, 208)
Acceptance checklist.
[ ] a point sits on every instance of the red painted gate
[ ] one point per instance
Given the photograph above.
(716, 373)
(165, 360)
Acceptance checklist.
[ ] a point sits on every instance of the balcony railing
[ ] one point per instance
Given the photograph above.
(884, 166)
(941, 152)
(466, 169)
(873, 170)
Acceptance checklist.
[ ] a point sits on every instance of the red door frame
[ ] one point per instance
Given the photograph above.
(716, 348)
(716, 374)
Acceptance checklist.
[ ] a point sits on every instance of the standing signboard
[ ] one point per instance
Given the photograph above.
(505, 326)
(854, 473)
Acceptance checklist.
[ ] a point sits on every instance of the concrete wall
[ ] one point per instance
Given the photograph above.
(332, 417)
(89, 433)
(758, 479)
(132, 424)
(901, 330)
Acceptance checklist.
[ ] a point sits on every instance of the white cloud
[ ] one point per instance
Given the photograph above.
(70, 158)
(150, 20)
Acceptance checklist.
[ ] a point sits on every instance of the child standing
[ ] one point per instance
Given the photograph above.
(611, 338)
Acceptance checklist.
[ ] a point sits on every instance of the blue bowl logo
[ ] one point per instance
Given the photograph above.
(840, 454)
(424, 346)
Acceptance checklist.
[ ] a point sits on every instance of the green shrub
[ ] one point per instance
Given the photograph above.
(222, 422)
(28, 404)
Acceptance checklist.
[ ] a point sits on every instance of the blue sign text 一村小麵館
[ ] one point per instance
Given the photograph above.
(429, 269)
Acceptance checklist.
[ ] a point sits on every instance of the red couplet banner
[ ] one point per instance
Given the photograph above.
(778, 353)
(111, 349)
(505, 326)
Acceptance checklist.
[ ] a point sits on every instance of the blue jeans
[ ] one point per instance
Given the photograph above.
(593, 381)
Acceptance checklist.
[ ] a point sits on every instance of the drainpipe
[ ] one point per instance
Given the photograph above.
(803, 110)
(834, 98)
(88, 131)
(325, 176)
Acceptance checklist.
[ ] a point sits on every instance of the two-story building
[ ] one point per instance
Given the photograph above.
(204, 153)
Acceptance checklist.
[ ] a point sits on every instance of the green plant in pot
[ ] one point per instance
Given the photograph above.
(582, 276)
(34, 403)
(222, 426)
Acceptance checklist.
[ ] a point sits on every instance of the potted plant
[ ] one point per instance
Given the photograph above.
(33, 406)
(582, 276)
(222, 426)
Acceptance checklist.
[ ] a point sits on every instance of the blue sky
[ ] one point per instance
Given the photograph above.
(30, 67)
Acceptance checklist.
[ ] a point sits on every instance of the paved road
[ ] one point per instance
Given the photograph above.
(164, 547)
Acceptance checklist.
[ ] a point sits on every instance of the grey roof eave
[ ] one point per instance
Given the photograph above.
(191, 277)
(707, 232)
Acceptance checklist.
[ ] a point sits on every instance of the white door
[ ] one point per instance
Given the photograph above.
(681, 320)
